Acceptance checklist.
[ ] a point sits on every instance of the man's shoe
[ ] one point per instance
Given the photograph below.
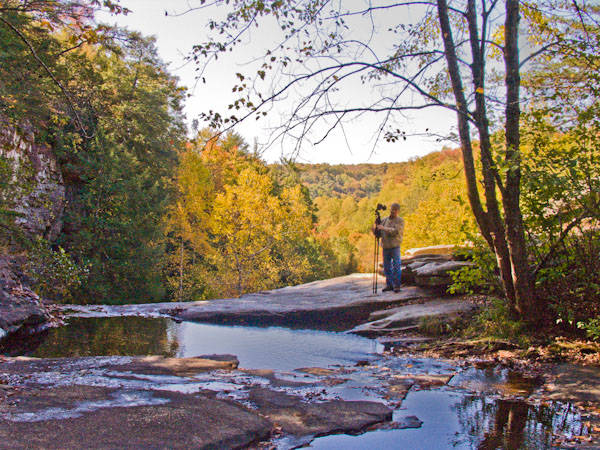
(387, 288)
(397, 289)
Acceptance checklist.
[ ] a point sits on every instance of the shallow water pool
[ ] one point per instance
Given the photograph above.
(256, 348)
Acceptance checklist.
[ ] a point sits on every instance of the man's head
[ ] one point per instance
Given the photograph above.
(394, 209)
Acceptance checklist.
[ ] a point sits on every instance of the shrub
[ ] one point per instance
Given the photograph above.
(591, 327)
(53, 274)
(570, 282)
(482, 277)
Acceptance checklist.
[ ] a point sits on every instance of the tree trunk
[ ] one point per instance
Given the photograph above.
(491, 178)
(527, 304)
(463, 125)
(490, 223)
(505, 235)
(181, 272)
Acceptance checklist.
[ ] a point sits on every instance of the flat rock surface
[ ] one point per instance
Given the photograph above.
(335, 304)
(300, 418)
(167, 420)
(409, 315)
(122, 402)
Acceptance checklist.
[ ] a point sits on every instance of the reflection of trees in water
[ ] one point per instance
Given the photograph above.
(109, 336)
(490, 424)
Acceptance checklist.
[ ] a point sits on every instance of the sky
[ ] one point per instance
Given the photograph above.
(176, 35)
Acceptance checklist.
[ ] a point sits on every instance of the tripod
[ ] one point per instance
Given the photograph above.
(377, 234)
(375, 265)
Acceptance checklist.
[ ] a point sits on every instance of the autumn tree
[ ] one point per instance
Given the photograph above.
(461, 55)
(237, 225)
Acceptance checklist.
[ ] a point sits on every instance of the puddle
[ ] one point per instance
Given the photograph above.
(453, 420)
(256, 348)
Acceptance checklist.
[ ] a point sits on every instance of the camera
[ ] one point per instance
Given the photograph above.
(380, 207)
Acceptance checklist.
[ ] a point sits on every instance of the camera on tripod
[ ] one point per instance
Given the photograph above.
(380, 207)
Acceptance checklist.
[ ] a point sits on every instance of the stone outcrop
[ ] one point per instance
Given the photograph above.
(39, 191)
(300, 418)
(36, 193)
(430, 270)
(334, 304)
(20, 307)
(432, 250)
(407, 317)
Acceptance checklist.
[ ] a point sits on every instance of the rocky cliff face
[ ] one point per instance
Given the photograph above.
(20, 307)
(35, 192)
(38, 188)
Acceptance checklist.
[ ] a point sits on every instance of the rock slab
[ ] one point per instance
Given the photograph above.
(408, 316)
(175, 421)
(300, 418)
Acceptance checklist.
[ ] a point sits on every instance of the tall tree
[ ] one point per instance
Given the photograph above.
(120, 181)
(38, 34)
(461, 55)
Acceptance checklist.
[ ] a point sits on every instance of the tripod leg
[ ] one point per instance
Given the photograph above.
(374, 287)
(376, 262)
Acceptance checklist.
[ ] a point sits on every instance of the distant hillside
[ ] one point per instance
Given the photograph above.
(367, 180)
(340, 180)
(430, 189)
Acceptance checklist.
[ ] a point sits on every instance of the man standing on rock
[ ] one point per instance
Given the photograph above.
(392, 231)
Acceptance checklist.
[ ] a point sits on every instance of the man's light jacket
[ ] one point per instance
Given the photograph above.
(392, 233)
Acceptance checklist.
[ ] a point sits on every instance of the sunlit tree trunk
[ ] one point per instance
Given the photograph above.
(505, 236)
(527, 303)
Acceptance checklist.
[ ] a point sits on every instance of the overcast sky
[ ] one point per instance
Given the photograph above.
(175, 38)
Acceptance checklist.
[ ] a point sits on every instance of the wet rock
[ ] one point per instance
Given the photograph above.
(408, 316)
(300, 418)
(570, 382)
(407, 422)
(165, 420)
(397, 389)
(424, 381)
(389, 343)
(318, 371)
(160, 365)
(20, 307)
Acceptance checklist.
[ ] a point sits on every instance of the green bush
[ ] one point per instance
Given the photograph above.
(53, 274)
(591, 327)
(570, 283)
(482, 277)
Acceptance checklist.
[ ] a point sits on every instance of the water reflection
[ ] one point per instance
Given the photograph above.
(256, 348)
(495, 379)
(471, 413)
(275, 347)
(458, 421)
(514, 424)
(99, 337)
